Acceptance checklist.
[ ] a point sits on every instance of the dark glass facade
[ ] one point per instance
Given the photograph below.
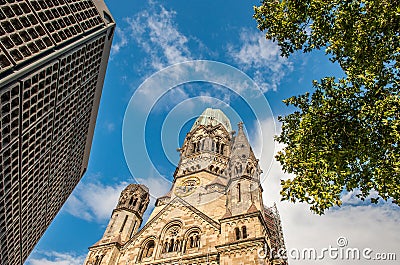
(53, 58)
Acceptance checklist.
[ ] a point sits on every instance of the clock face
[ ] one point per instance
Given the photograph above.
(187, 186)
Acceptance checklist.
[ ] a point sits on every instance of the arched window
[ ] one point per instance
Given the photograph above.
(249, 169)
(238, 168)
(146, 250)
(172, 242)
(149, 249)
(237, 233)
(244, 232)
(194, 240)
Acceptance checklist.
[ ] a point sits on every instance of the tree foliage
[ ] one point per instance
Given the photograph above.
(345, 134)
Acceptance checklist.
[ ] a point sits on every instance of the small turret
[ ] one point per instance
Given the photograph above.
(125, 221)
(127, 216)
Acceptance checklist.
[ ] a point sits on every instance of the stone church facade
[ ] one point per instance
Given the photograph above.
(213, 213)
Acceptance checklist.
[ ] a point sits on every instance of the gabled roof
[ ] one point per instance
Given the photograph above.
(217, 181)
(170, 205)
(227, 214)
(252, 208)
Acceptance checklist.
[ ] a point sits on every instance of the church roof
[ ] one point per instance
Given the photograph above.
(241, 146)
(218, 181)
(227, 214)
(252, 208)
(213, 117)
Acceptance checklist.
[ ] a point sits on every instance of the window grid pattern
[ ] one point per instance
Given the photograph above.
(64, 116)
(78, 141)
(86, 13)
(9, 115)
(34, 222)
(21, 34)
(58, 172)
(71, 69)
(9, 170)
(86, 96)
(30, 27)
(44, 115)
(94, 52)
(11, 203)
(36, 142)
(10, 244)
(10, 224)
(33, 181)
(57, 19)
(38, 94)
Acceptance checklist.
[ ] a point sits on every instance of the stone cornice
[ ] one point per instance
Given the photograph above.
(240, 244)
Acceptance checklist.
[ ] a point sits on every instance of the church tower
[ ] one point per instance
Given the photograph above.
(213, 213)
(244, 188)
(125, 222)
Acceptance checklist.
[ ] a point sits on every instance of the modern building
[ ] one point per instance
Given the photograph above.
(213, 213)
(53, 58)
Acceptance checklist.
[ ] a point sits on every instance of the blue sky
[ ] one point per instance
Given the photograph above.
(152, 35)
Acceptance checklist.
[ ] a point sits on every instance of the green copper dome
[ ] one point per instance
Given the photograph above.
(213, 117)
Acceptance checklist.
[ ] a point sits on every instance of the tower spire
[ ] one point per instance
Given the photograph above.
(244, 171)
(242, 157)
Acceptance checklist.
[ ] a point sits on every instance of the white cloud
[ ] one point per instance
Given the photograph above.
(110, 126)
(56, 258)
(84, 201)
(363, 225)
(120, 41)
(156, 33)
(158, 185)
(261, 57)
